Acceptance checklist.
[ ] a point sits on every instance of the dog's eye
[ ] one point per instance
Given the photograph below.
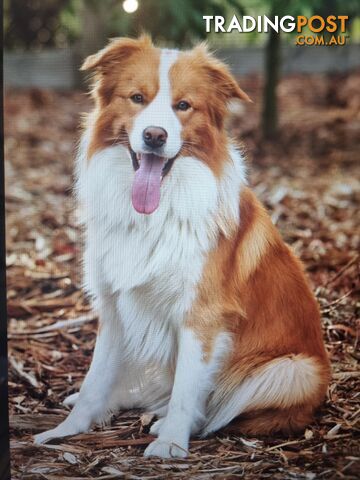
(137, 98)
(183, 105)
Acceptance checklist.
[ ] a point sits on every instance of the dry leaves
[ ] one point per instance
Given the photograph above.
(309, 180)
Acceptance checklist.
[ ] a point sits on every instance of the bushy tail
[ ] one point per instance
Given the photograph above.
(291, 386)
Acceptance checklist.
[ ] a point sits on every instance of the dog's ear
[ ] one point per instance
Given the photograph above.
(225, 83)
(117, 50)
(220, 76)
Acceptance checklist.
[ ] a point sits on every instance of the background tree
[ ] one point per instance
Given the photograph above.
(269, 123)
(272, 67)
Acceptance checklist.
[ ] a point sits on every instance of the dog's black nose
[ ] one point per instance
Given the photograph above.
(154, 137)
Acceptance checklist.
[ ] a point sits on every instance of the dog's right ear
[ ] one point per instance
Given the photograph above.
(117, 50)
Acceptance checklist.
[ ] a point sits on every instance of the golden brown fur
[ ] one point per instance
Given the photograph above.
(263, 299)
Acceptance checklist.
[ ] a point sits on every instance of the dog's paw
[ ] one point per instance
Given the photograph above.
(71, 400)
(67, 428)
(45, 437)
(166, 449)
(155, 428)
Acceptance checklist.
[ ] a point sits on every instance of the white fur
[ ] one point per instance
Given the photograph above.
(142, 273)
(151, 263)
(194, 380)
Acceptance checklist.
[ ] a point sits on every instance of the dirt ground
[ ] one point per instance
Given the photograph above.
(309, 180)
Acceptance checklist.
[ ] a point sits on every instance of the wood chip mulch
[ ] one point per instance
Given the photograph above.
(309, 180)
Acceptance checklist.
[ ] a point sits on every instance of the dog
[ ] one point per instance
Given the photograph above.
(205, 314)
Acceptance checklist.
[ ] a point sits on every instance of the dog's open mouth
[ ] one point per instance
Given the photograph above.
(150, 169)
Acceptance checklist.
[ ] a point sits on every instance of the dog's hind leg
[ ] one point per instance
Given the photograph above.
(95, 401)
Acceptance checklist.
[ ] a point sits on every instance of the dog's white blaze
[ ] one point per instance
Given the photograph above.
(159, 112)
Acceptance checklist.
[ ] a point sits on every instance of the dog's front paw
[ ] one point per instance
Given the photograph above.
(45, 437)
(67, 428)
(166, 449)
(71, 400)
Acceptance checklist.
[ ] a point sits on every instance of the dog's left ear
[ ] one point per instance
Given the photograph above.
(225, 83)
(220, 76)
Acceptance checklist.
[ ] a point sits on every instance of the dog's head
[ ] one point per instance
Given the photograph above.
(161, 104)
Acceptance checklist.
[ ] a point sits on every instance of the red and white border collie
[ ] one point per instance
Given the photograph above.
(205, 314)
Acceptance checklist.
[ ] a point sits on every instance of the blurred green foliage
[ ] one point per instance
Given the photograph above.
(180, 21)
(30, 24)
(33, 24)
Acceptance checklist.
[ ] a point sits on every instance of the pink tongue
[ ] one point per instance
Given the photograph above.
(146, 187)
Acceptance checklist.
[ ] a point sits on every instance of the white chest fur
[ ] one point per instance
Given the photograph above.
(151, 263)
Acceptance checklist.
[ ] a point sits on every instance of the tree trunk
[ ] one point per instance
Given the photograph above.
(93, 31)
(272, 73)
(93, 36)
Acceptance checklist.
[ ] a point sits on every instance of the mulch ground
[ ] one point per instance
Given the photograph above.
(309, 180)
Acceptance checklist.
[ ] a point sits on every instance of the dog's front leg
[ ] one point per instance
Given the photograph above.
(193, 381)
(95, 403)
